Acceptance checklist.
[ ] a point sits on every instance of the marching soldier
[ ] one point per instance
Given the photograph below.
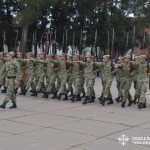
(120, 79)
(107, 78)
(63, 76)
(12, 72)
(142, 81)
(40, 74)
(89, 74)
(127, 66)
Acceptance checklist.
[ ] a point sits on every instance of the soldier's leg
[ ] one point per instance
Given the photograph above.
(40, 83)
(92, 92)
(126, 91)
(63, 90)
(101, 97)
(106, 91)
(77, 91)
(70, 88)
(142, 98)
(10, 94)
(82, 86)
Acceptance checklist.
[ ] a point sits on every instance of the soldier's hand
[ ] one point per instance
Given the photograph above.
(148, 74)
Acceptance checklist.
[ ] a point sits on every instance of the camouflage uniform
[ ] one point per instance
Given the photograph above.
(107, 78)
(12, 72)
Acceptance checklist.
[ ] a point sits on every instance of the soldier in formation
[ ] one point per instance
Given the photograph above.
(71, 78)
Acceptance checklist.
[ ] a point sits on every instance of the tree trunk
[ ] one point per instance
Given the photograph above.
(24, 36)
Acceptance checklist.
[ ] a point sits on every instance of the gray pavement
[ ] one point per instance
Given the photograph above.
(40, 124)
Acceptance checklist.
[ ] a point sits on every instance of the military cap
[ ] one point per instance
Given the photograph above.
(11, 54)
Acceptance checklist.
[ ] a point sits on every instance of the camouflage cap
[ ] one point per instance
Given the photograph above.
(11, 54)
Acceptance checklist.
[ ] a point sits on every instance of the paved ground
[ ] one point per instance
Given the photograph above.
(40, 124)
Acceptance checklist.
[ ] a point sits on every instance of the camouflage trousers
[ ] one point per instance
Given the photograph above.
(58, 82)
(10, 94)
(51, 84)
(39, 82)
(77, 85)
(70, 83)
(106, 82)
(135, 81)
(90, 86)
(63, 89)
(126, 91)
(120, 86)
(82, 79)
(30, 82)
(142, 88)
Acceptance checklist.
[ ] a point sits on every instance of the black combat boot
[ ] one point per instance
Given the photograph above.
(72, 99)
(78, 98)
(65, 98)
(123, 104)
(13, 105)
(4, 90)
(130, 103)
(59, 96)
(92, 99)
(100, 98)
(34, 94)
(23, 92)
(103, 101)
(141, 105)
(135, 100)
(4, 104)
(54, 95)
(71, 94)
(110, 101)
(118, 99)
(85, 100)
(45, 95)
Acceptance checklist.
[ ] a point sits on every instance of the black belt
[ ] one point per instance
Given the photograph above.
(11, 77)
